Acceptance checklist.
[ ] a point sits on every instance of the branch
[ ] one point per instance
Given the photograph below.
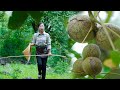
(114, 32)
(33, 55)
(88, 33)
(92, 22)
(105, 29)
(97, 13)
(93, 18)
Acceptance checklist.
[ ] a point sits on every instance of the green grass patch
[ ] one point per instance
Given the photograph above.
(21, 71)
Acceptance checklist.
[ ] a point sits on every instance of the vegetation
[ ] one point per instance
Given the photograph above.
(16, 33)
(16, 36)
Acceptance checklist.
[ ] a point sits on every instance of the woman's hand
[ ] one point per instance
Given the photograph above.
(31, 44)
(49, 54)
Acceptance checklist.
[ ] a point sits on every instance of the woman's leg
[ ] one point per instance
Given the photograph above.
(44, 62)
(39, 65)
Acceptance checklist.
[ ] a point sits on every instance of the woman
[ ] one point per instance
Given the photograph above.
(42, 41)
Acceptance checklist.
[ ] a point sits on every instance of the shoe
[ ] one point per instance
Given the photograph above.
(39, 76)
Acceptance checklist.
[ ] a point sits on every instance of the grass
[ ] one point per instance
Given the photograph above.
(21, 71)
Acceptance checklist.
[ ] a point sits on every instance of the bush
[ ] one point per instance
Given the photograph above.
(61, 67)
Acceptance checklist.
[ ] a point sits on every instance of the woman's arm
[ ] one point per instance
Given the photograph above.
(32, 43)
(49, 52)
(49, 45)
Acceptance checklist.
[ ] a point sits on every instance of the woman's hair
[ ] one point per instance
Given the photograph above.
(35, 26)
(40, 23)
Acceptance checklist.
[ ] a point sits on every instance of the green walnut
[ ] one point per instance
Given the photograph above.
(92, 66)
(102, 39)
(78, 27)
(77, 67)
(91, 50)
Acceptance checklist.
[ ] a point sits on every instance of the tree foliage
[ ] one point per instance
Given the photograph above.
(21, 31)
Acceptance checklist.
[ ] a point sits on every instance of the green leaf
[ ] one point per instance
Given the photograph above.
(36, 15)
(109, 15)
(77, 55)
(70, 42)
(113, 74)
(17, 19)
(115, 55)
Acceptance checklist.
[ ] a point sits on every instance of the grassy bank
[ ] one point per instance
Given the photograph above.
(21, 71)
(24, 71)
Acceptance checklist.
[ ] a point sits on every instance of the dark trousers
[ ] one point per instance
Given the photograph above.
(41, 63)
